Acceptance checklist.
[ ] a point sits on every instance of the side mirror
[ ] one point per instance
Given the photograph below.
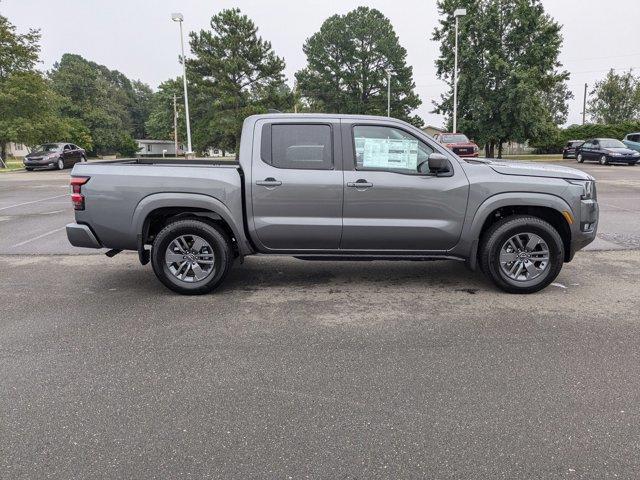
(436, 163)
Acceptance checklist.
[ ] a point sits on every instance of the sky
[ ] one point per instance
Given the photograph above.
(138, 38)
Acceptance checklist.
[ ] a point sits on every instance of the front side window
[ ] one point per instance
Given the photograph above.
(301, 146)
(387, 148)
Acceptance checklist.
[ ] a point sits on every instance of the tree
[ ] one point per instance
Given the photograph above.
(18, 52)
(160, 122)
(347, 65)
(615, 99)
(510, 86)
(29, 113)
(112, 108)
(234, 73)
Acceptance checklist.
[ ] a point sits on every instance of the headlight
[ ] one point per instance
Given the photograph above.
(616, 154)
(588, 188)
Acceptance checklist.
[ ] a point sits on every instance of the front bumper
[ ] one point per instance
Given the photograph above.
(81, 236)
(628, 160)
(40, 163)
(587, 226)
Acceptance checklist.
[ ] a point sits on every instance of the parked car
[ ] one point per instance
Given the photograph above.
(606, 151)
(632, 141)
(55, 156)
(458, 143)
(569, 150)
(327, 187)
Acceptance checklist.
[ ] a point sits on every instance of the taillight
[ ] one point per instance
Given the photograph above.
(76, 188)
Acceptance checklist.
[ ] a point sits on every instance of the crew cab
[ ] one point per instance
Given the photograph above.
(335, 187)
(458, 143)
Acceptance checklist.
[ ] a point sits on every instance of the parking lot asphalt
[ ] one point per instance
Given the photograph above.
(314, 369)
(318, 370)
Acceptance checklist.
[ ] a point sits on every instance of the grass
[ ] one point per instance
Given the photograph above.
(534, 158)
(12, 166)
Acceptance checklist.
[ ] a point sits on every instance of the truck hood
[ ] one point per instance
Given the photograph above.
(530, 169)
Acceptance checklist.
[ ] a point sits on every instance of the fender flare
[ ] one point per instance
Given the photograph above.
(508, 199)
(187, 200)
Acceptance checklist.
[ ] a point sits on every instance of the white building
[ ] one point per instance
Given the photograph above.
(155, 148)
(17, 150)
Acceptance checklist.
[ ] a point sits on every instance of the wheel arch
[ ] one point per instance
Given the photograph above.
(545, 206)
(155, 211)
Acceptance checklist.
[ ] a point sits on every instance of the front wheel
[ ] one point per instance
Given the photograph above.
(83, 159)
(191, 257)
(604, 160)
(60, 164)
(521, 254)
(580, 158)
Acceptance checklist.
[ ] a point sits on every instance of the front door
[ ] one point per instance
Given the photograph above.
(296, 185)
(388, 204)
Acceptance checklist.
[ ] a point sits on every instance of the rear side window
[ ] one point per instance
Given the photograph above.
(633, 138)
(298, 146)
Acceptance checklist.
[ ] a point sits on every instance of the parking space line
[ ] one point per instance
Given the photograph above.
(38, 237)
(33, 201)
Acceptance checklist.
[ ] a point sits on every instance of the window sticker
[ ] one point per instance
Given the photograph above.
(388, 153)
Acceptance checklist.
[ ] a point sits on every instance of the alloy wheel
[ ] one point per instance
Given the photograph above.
(190, 258)
(524, 257)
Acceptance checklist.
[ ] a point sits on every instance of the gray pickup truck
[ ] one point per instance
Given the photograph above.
(329, 187)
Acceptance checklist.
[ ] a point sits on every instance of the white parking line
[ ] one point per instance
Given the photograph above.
(38, 237)
(34, 201)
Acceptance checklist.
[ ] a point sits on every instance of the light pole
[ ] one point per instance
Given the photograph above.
(388, 93)
(460, 12)
(177, 17)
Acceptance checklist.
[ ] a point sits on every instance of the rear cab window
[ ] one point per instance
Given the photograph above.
(304, 146)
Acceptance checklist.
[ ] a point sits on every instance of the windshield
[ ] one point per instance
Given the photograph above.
(575, 143)
(611, 143)
(457, 138)
(47, 147)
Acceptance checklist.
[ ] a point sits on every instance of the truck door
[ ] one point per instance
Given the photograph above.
(388, 204)
(296, 184)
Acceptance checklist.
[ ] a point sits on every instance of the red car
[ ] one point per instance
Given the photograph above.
(459, 143)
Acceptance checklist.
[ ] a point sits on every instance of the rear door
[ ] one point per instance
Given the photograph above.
(388, 204)
(296, 184)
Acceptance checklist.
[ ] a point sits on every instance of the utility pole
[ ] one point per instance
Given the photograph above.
(175, 124)
(388, 93)
(584, 105)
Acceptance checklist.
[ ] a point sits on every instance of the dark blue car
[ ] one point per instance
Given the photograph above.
(606, 151)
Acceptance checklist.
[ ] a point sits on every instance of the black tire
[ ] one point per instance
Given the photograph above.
(217, 239)
(28, 169)
(60, 164)
(604, 160)
(580, 158)
(494, 239)
(83, 159)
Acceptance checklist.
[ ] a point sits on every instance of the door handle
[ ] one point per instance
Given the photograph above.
(360, 184)
(269, 182)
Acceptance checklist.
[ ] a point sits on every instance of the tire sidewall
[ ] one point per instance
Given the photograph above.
(580, 158)
(221, 253)
(60, 164)
(510, 227)
(604, 160)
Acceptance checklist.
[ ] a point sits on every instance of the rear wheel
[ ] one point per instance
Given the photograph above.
(580, 158)
(604, 160)
(191, 257)
(522, 254)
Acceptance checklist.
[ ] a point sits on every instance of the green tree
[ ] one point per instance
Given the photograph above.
(113, 108)
(615, 99)
(18, 52)
(29, 113)
(160, 122)
(347, 64)
(509, 84)
(234, 73)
